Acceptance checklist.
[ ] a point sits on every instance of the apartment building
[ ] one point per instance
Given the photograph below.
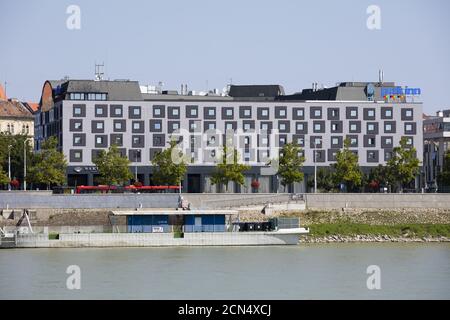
(88, 116)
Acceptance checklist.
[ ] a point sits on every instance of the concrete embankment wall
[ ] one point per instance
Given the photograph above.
(154, 239)
(377, 200)
(36, 200)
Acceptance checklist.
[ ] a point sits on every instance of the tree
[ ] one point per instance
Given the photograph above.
(444, 176)
(229, 169)
(403, 166)
(112, 167)
(325, 180)
(378, 177)
(49, 165)
(4, 179)
(14, 146)
(290, 164)
(170, 166)
(346, 168)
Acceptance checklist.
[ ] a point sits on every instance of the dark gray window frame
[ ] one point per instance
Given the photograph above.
(82, 110)
(94, 126)
(112, 109)
(83, 139)
(206, 114)
(162, 109)
(124, 125)
(104, 108)
(312, 111)
(131, 114)
(142, 126)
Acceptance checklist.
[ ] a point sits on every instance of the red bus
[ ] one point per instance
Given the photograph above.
(127, 189)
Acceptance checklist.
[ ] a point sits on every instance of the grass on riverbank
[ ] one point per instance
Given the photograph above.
(408, 230)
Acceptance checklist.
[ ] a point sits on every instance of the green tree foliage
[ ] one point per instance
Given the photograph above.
(48, 165)
(17, 143)
(229, 169)
(290, 164)
(346, 168)
(112, 167)
(444, 176)
(170, 166)
(377, 178)
(325, 180)
(403, 166)
(4, 179)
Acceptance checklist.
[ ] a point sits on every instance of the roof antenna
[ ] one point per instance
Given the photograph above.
(99, 71)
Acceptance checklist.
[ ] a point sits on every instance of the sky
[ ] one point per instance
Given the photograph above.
(207, 44)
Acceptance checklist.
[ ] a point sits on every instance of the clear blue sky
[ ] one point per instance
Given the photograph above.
(293, 43)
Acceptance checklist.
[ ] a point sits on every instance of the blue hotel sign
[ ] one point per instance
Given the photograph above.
(399, 91)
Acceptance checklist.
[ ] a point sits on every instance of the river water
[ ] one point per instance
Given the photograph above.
(306, 271)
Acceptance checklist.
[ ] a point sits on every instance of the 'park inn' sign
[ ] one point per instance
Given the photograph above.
(399, 91)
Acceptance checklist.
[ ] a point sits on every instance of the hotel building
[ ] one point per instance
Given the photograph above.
(88, 116)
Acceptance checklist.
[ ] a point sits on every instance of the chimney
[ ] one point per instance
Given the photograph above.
(3, 93)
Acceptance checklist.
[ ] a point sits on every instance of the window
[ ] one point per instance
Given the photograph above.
(317, 113)
(157, 125)
(77, 154)
(229, 126)
(334, 127)
(247, 126)
(175, 112)
(334, 141)
(409, 113)
(118, 125)
(264, 126)
(77, 111)
(371, 113)
(193, 112)
(388, 113)
(354, 113)
(99, 125)
(265, 112)
(388, 127)
(117, 111)
(211, 126)
(317, 127)
(134, 112)
(229, 112)
(353, 141)
(408, 127)
(246, 140)
(282, 127)
(77, 125)
(300, 127)
(99, 111)
(370, 127)
(99, 140)
(301, 141)
(211, 112)
(247, 112)
(282, 113)
(136, 125)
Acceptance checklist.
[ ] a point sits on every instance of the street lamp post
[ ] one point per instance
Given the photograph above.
(9, 167)
(315, 167)
(25, 165)
(135, 170)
